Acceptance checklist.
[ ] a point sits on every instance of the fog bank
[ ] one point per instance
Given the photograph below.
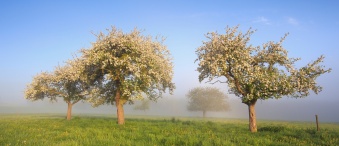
(286, 109)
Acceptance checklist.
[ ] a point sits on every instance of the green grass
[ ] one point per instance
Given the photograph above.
(102, 130)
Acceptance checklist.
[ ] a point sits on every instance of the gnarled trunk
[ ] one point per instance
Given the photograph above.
(252, 116)
(69, 110)
(120, 109)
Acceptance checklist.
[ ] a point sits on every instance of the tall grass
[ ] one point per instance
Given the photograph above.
(100, 130)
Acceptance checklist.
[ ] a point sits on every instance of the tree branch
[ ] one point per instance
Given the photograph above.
(74, 102)
(217, 82)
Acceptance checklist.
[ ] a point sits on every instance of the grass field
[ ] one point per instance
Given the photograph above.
(53, 129)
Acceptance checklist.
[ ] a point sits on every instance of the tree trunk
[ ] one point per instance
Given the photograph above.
(203, 113)
(120, 109)
(69, 111)
(252, 116)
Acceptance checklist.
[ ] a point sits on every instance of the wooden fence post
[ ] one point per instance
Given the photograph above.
(316, 120)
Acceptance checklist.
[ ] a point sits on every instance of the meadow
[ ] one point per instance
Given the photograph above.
(54, 129)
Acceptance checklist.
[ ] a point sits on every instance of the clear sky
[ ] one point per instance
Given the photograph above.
(38, 35)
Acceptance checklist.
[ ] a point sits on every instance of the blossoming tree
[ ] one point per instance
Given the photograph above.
(255, 73)
(122, 67)
(64, 82)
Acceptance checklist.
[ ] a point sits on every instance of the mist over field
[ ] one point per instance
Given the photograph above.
(297, 109)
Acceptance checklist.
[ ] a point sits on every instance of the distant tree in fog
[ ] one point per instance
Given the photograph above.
(255, 73)
(64, 82)
(144, 105)
(207, 99)
(122, 67)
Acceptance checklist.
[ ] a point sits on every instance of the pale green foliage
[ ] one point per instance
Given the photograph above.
(207, 99)
(129, 63)
(255, 72)
(64, 82)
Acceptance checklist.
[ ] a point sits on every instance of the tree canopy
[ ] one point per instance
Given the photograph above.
(123, 66)
(64, 82)
(253, 73)
(207, 99)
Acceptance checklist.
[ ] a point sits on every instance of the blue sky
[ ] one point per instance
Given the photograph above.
(38, 35)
